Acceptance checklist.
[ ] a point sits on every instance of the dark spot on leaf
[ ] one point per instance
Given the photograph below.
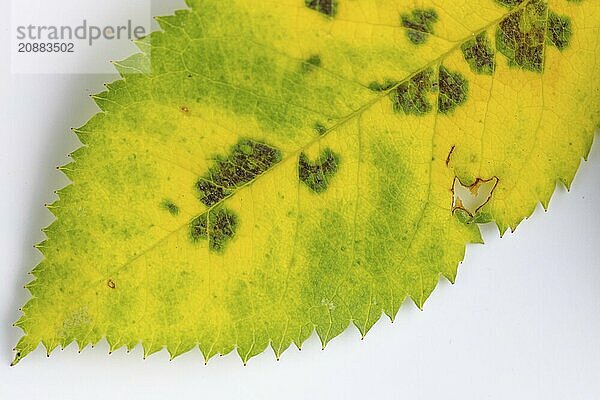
(382, 86)
(170, 206)
(559, 30)
(453, 90)
(450, 154)
(478, 52)
(184, 109)
(199, 227)
(520, 36)
(411, 96)
(419, 24)
(245, 161)
(311, 63)
(510, 3)
(111, 284)
(327, 7)
(317, 175)
(218, 226)
(320, 128)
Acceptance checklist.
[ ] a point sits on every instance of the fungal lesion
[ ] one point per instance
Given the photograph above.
(317, 175)
(311, 63)
(469, 199)
(411, 96)
(383, 86)
(246, 160)
(521, 36)
(419, 24)
(326, 7)
(453, 89)
(509, 3)
(218, 226)
(559, 30)
(170, 206)
(319, 128)
(479, 54)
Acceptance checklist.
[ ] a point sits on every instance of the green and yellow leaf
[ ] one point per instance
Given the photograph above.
(295, 165)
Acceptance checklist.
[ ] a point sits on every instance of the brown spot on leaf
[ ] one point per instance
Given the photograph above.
(327, 7)
(419, 24)
(453, 90)
(520, 36)
(559, 30)
(480, 55)
(218, 226)
(245, 161)
(410, 96)
(317, 175)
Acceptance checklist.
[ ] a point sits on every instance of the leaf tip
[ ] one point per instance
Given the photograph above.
(21, 350)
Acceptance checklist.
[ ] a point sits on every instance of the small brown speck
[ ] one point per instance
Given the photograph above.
(184, 109)
(111, 284)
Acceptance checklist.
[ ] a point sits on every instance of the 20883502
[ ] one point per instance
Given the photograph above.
(46, 47)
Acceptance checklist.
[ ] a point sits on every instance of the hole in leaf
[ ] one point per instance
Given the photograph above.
(470, 199)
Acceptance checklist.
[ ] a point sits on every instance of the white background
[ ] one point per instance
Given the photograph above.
(71, 13)
(521, 322)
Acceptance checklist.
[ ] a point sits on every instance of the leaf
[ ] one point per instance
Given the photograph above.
(296, 165)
